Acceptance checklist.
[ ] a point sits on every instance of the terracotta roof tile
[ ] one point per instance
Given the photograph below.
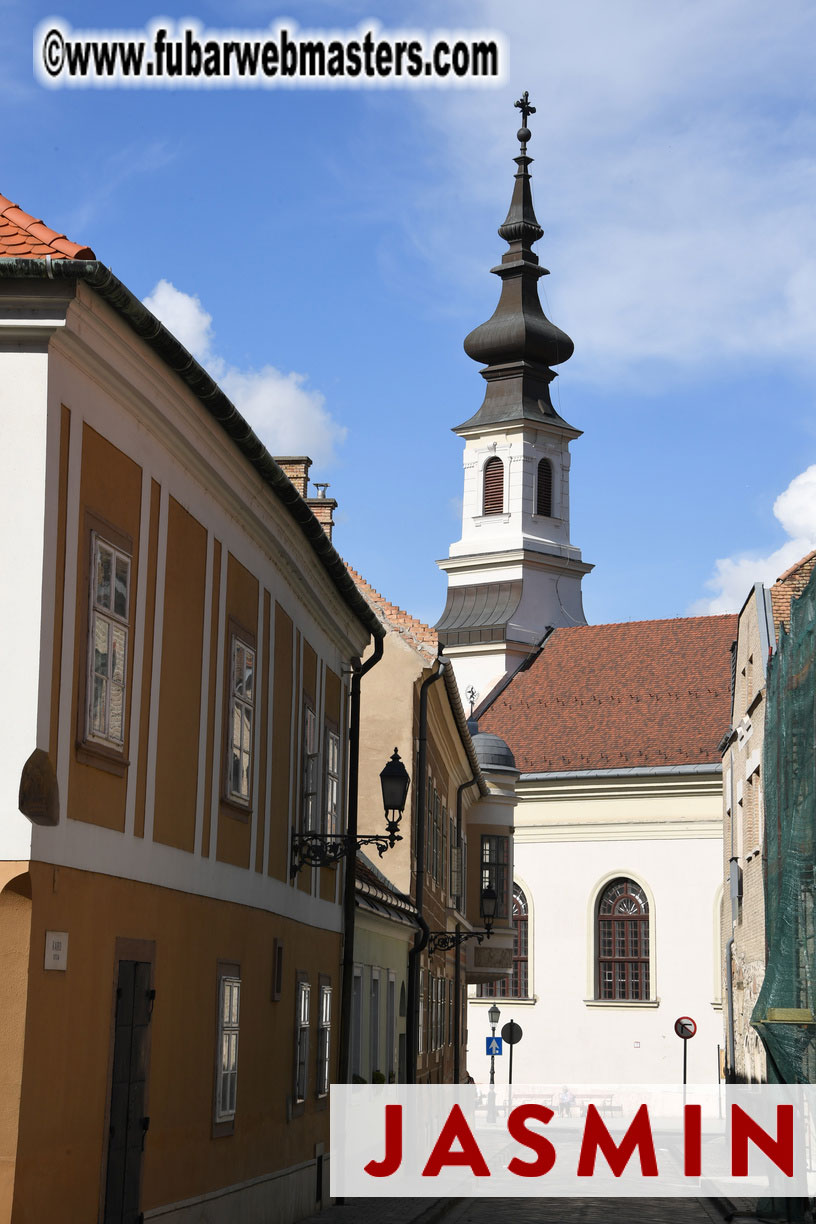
(394, 617)
(787, 587)
(644, 693)
(25, 237)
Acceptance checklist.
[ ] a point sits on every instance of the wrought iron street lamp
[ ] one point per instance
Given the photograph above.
(443, 941)
(323, 849)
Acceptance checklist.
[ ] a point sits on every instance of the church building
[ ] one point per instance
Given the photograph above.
(614, 728)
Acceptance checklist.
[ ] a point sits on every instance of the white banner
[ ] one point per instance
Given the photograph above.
(593, 1141)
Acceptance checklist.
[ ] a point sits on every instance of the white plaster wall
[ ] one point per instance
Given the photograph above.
(567, 1041)
(23, 380)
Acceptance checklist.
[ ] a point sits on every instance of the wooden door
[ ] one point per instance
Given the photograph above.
(128, 1121)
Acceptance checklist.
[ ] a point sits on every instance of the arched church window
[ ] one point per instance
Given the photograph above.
(544, 488)
(518, 986)
(493, 499)
(623, 941)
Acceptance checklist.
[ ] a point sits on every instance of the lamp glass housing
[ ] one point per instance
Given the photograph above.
(394, 780)
(493, 1016)
(488, 904)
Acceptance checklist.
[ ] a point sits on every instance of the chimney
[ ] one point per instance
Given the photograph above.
(296, 467)
(322, 507)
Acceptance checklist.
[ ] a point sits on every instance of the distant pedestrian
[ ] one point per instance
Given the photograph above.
(566, 1100)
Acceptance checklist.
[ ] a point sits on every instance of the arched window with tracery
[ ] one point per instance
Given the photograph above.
(517, 986)
(493, 494)
(623, 941)
(544, 486)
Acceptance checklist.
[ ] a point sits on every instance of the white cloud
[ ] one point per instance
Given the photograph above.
(674, 175)
(184, 316)
(289, 417)
(733, 577)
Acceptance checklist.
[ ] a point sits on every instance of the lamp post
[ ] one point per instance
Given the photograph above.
(322, 849)
(443, 941)
(493, 1018)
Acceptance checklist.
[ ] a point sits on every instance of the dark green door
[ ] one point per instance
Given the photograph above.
(128, 1122)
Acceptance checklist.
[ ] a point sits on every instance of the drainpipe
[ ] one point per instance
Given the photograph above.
(358, 671)
(457, 973)
(729, 988)
(421, 937)
(729, 947)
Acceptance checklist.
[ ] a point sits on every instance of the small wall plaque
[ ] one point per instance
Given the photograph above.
(56, 950)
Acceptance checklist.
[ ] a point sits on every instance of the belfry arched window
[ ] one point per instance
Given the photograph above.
(518, 986)
(623, 942)
(544, 486)
(493, 495)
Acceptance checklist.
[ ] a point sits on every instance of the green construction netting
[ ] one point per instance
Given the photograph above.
(785, 1012)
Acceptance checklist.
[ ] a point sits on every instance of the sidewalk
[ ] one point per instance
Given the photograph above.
(526, 1211)
(384, 1211)
(534, 1211)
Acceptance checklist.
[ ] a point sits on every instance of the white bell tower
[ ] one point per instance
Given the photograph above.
(514, 574)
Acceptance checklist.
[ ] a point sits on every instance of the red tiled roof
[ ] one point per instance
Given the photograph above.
(24, 237)
(394, 617)
(640, 694)
(788, 586)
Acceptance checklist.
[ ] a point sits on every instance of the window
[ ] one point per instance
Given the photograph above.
(374, 1022)
(436, 837)
(456, 874)
(332, 780)
(303, 1003)
(391, 1029)
(357, 1024)
(241, 716)
(493, 498)
(309, 757)
(435, 984)
(107, 653)
(450, 1012)
(518, 986)
(229, 1010)
(421, 1040)
(495, 869)
(324, 1040)
(623, 942)
(544, 489)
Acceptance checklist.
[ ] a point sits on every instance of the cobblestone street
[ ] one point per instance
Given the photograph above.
(520, 1211)
(584, 1211)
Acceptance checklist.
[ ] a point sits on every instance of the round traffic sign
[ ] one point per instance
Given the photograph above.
(685, 1027)
(511, 1032)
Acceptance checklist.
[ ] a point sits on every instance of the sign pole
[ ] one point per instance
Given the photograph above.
(685, 1028)
(510, 1080)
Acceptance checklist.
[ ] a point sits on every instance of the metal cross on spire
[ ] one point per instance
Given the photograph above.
(526, 109)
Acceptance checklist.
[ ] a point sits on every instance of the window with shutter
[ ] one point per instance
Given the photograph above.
(544, 489)
(493, 502)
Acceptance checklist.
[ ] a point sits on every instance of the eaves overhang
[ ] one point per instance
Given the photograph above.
(177, 358)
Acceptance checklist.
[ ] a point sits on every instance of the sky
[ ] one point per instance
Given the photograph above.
(324, 252)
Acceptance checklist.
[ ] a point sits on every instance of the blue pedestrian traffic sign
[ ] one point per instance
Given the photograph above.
(494, 1046)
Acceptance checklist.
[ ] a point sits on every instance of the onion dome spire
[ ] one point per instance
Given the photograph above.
(518, 343)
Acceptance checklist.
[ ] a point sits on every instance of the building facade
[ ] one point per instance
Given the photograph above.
(179, 638)
(765, 614)
(618, 843)
(456, 840)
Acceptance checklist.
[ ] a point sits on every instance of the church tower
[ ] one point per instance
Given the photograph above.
(514, 574)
